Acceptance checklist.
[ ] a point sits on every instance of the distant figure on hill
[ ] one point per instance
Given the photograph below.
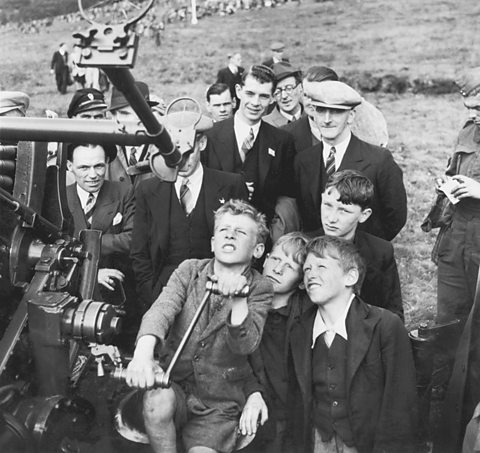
(278, 49)
(59, 67)
(232, 74)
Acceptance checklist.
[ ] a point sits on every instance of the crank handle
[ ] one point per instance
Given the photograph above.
(161, 380)
(213, 288)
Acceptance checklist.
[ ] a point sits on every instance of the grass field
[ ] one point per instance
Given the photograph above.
(416, 39)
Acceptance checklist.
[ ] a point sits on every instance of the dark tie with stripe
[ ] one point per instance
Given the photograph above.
(247, 144)
(89, 208)
(330, 164)
(132, 160)
(186, 196)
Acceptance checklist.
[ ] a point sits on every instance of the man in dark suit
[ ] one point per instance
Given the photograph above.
(346, 204)
(278, 49)
(174, 221)
(232, 74)
(353, 383)
(333, 104)
(59, 67)
(101, 205)
(246, 144)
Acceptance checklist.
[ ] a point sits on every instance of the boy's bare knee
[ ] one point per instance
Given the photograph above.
(159, 406)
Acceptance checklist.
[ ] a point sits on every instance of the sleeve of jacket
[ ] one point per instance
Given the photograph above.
(287, 187)
(121, 242)
(140, 251)
(161, 315)
(391, 284)
(392, 197)
(396, 429)
(239, 189)
(245, 338)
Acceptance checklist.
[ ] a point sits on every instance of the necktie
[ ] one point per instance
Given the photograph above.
(89, 208)
(247, 144)
(133, 158)
(186, 196)
(330, 164)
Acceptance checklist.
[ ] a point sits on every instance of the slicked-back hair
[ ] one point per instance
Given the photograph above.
(353, 187)
(241, 207)
(320, 74)
(293, 245)
(215, 89)
(341, 250)
(261, 73)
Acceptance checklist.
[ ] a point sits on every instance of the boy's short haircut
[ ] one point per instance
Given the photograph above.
(216, 89)
(261, 73)
(241, 207)
(345, 252)
(294, 245)
(353, 187)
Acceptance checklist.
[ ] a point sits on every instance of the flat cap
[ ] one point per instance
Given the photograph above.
(84, 100)
(277, 46)
(334, 95)
(284, 69)
(13, 100)
(118, 100)
(469, 82)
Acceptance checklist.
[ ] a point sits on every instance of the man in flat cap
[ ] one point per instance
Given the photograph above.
(287, 94)
(458, 265)
(245, 144)
(128, 156)
(60, 67)
(232, 74)
(277, 48)
(174, 221)
(368, 125)
(332, 105)
(220, 103)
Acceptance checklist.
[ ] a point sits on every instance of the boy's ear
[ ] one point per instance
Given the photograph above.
(301, 285)
(351, 277)
(258, 250)
(366, 213)
(202, 142)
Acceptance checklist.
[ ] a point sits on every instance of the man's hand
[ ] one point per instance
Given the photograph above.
(231, 285)
(254, 412)
(107, 277)
(141, 371)
(467, 188)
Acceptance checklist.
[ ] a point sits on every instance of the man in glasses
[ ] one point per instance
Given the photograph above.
(287, 95)
(332, 105)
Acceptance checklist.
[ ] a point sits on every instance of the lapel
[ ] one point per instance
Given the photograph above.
(106, 208)
(219, 317)
(354, 158)
(76, 209)
(300, 341)
(360, 326)
(212, 192)
(159, 203)
(265, 159)
(314, 170)
(122, 157)
(227, 145)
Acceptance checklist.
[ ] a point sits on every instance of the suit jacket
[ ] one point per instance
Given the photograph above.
(381, 387)
(276, 154)
(59, 62)
(302, 134)
(113, 216)
(269, 61)
(390, 199)
(227, 77)
(151, 230)
(117, 170)
(275, 118)
(216, 353)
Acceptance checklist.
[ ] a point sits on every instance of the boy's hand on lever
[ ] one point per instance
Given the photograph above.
(143, 371)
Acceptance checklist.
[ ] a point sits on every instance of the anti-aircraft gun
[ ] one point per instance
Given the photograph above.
(56, 272)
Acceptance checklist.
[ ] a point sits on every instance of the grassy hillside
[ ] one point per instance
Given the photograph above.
(428, 39)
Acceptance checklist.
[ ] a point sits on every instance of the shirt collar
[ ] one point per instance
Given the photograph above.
(233, 69)
(83, 195)
(340, 328)
(291, 117)
(242, 128)
(194, 180)
(340, 150)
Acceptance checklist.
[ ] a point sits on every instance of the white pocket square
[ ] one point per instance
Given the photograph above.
(271, 152)
(117, 219)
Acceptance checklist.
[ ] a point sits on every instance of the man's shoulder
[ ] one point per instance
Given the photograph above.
(219, 128)
(362, 238)
(116, 187)
(371, 152)
(222, 177)
(271, 131)
(309, 153)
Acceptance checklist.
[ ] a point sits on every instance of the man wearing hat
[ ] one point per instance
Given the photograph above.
(174, 221)
(332, 105)
(287, 94)
(368, 125)
(87, 103)
(232, 74)
(101, 205)
(458, 266)
(128, 156)
(277, 48)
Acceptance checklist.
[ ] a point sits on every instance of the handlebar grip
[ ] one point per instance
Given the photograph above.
(161, 380)
(213, 287)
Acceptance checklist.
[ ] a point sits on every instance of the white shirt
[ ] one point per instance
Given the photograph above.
(340, 149)
(291, 117)
(233, 69)
(339, 328)
(242, 129)
(83, 196)
(194, 184)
